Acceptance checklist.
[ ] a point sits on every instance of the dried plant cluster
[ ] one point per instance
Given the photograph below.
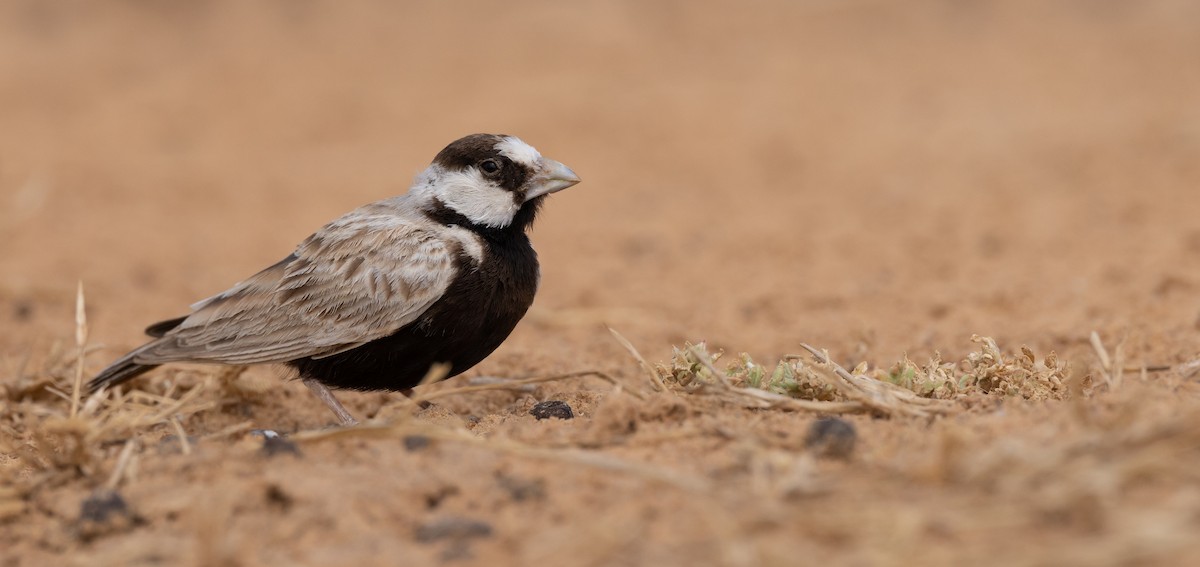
(42, 441)
(905, 387)
(52, 435)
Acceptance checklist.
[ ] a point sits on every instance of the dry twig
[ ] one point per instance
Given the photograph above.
(654, 377)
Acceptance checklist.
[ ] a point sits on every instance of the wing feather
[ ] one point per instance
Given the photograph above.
(360, 278)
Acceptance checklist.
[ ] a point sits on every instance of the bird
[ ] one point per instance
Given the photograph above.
(440, 275)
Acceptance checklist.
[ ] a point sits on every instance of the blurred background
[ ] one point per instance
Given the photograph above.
(877, 177)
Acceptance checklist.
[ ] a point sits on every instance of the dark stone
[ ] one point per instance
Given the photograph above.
(105, 512)
(452, 529)
(278, 499)
(435, 498)
(416, 442)
(103, 506)
(23, 310)
(552, 408)
(521, 489)
(275, 444)
(831, 437)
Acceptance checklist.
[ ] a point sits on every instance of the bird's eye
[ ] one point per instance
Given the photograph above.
(489, 166)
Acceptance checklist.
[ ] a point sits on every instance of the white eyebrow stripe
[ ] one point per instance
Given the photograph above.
(513, 148)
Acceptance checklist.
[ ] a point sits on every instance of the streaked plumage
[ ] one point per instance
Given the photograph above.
(373, 299)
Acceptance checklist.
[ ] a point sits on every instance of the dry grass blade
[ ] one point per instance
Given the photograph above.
(770, 400)
(123, 460)
(1148, 368)
(1189, 369)
(654, 377)
(184, 445)
(81, 336)
(438, 372)
(1101, 352)
(183, 400)
(228, 431)
(708, 363)
(371, 429)
(1113, 371)
(513, 384)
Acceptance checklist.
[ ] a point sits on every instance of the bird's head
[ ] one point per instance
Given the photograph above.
(492, 181)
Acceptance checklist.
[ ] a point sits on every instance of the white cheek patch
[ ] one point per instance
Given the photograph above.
(513, 148)
(472, 196)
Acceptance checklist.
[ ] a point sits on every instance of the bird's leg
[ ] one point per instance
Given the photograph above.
(326, 396)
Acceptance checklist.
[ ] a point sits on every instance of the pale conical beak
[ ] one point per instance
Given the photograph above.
(553, 177)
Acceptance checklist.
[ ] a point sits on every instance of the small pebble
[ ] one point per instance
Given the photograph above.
(831, 437)
(23, 310)
(552, 408)
(452, 528)
(277, 498)
(103, 506)
(415, 442)
(521, 489)
(275, 444)
(105, 512)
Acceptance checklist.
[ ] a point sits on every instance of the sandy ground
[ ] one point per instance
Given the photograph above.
(875, 178)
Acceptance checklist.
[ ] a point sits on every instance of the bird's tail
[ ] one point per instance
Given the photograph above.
(123, 370)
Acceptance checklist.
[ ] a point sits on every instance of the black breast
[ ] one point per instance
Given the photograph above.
(478, 311)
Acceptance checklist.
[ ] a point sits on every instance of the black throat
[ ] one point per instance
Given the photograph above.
(521, 221)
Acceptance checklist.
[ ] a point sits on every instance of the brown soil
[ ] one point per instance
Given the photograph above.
(874, 178)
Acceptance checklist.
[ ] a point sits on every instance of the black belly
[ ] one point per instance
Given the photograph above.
(478, 311)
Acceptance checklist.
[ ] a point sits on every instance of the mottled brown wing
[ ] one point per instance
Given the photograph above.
(359, 279)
